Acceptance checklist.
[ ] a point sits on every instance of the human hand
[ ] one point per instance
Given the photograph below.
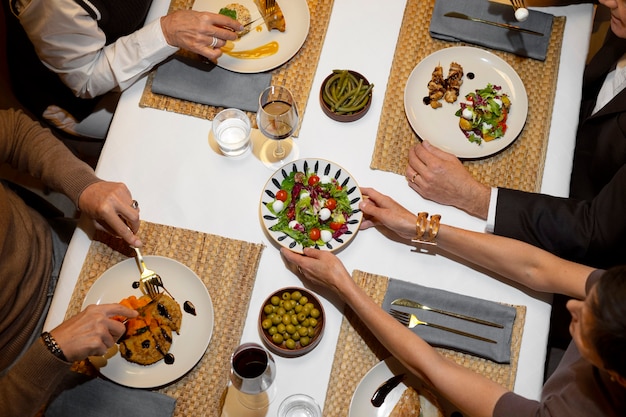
(321, 267)
(380, 209)
(92, 331)
(439, 176)
(110, 205)
(201, 32)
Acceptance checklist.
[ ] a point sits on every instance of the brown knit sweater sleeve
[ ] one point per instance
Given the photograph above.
(32, 149)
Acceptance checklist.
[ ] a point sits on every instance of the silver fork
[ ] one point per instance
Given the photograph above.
(411, 320)
(518, 4)
(150, 280)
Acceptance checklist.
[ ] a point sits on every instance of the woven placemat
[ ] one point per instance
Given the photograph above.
(296, 74)
(228, 269)
(520, 166)
(358, 351)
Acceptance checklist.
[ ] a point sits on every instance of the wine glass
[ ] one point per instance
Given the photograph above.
(277, 118)
(252, 373)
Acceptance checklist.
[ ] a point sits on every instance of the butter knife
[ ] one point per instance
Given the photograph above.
(414, 304)
(458, 15)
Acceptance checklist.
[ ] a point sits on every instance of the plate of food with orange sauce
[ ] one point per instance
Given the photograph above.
(267, 42)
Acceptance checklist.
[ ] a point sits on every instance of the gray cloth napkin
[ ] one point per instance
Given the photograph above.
(101, 398)
(470, 306)
(206, 83)
(523, 44)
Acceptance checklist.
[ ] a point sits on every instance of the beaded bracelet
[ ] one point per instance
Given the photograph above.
(426, 230)
(53, 346)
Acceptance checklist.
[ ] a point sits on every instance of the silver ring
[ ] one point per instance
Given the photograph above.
(214, 42)
(134, 204)
(300, 270)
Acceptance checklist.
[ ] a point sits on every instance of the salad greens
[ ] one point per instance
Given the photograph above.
(228, 12)
(310, 209)
(484, 113)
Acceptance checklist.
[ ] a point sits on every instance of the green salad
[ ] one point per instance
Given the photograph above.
(484, 113)
(310, 209)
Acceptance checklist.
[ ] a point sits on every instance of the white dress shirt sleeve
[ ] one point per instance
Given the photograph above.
(491, 214)
(70, 43)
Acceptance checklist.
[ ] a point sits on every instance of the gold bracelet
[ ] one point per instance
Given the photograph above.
(427, 229)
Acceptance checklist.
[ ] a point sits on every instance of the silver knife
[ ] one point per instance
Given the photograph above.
(488, 22)
(414, 304)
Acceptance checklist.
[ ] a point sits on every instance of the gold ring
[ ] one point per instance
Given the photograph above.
(413, 178)
(134, 204)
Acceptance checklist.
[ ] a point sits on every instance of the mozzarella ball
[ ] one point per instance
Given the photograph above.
(521, 14)
(326, 235)
(278, 206)
(324, 214)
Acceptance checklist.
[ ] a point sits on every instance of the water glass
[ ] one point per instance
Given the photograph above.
(231, 130)
(299, 405)
(252, 373)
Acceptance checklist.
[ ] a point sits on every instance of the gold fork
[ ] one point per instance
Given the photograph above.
(150, 280)
(270, 6)
(411, 320)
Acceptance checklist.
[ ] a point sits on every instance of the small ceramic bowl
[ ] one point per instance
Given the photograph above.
(348, 117)
(311, 319)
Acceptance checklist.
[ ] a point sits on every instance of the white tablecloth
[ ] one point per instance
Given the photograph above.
(166, 161)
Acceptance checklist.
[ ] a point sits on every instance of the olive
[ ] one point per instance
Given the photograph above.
(296, 295)
(286, 319)
(266, 324)
(277, 338)
(290, 328)
(272, 330)
(275, 300)
(281, 328)
(305, 340)
(315, 313)
(268, 309)
(294, 319)
(302, 317)
(312, 321)
(276, 319)
(286, 296)
(290, 344)
(303, 300)
(303, 331)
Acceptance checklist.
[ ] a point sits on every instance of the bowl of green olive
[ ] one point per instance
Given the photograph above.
(345, 95)
(291, 322)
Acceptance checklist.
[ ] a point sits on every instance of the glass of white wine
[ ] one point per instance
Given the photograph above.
(277, 118)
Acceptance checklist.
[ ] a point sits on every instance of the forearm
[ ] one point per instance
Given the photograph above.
(69, 42)
(516, 260)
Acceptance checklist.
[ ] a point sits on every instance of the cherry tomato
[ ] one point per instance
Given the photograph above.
(314, 234)
(291, 214)
(335, 225)
(313, 179)
(331, 204)
(281, 195)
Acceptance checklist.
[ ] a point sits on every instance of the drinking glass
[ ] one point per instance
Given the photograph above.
(277, 118)
(252, 373)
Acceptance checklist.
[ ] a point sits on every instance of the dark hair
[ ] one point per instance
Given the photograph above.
(608, 334)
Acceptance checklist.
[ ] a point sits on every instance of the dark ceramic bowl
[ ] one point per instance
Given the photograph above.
(347, 117)
(302, 345)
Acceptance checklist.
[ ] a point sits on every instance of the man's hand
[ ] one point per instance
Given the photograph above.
(440, 176)
(110, 205)
(201, 32)
(92, 331)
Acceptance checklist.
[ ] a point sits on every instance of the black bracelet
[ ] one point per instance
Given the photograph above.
(52, 346)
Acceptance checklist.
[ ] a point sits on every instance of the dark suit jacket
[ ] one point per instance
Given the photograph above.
(590, 226)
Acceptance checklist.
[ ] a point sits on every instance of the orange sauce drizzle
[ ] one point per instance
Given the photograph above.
(262, 51)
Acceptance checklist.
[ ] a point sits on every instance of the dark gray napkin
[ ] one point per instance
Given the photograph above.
(206, 83)
(470, 306)
(101, 398)
(523, 44)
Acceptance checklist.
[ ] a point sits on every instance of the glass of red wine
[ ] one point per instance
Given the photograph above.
(252, 373)
(277, 118)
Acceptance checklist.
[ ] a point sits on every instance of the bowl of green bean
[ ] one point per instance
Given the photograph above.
(291, 322)
(346, 95)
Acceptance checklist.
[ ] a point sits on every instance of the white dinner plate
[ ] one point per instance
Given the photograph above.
(440, 126)
(321, 167)
(116, 283)
(361, 405)
(297, 21)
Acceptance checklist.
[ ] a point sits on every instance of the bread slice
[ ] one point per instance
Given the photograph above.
(275, 21)
(408, 405)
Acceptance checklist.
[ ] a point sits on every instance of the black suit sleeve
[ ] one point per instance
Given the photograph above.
(591, 232)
